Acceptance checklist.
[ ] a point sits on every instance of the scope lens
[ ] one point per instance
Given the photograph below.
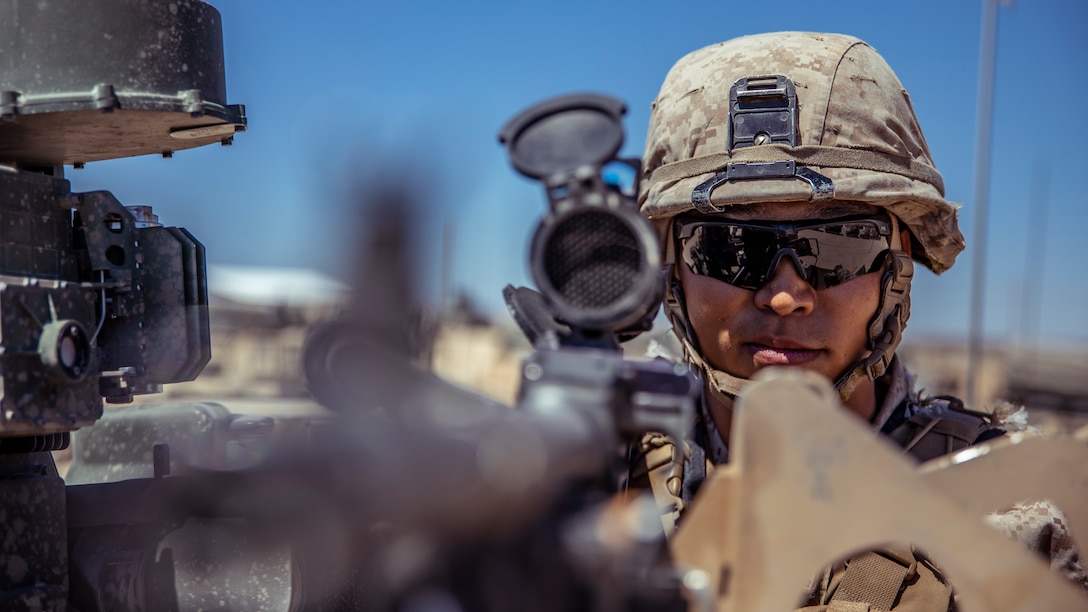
(592, 259)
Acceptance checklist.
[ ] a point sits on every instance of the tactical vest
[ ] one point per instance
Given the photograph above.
(898, 578)
(943, 427)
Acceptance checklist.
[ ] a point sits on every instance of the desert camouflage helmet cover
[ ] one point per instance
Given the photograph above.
(855, 125)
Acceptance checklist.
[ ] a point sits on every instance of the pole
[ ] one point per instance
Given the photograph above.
(983, 132)
(1035, 263)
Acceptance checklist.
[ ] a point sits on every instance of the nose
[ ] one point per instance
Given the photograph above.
(786, 292)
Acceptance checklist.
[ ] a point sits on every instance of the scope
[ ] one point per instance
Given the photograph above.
(594, 259)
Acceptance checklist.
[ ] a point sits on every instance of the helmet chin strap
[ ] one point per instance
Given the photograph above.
(722, 384)
(885, 330)
(888, 322)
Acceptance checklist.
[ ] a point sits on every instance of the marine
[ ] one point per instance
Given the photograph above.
(793, 192)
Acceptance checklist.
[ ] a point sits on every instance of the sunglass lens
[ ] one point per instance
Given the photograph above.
(742, 254)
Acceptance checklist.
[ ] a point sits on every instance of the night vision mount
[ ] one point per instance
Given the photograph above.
(594, 259)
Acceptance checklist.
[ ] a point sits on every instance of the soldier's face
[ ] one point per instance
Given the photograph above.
(786, 321)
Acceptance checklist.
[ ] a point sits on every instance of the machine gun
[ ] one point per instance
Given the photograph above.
(526, 488)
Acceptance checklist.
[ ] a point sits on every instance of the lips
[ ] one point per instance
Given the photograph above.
(781, 352)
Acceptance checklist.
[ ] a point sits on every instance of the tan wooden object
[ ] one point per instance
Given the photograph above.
(809, 484)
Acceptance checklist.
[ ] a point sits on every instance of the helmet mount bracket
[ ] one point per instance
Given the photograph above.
(762, 110)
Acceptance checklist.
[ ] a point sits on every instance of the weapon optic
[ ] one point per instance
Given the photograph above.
(594, 259)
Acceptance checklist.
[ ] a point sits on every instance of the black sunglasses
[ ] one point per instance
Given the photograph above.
(746, 254)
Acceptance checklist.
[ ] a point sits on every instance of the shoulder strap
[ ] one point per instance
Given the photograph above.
(946, 428)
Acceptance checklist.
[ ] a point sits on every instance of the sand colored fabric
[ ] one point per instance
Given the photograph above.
(855, 125)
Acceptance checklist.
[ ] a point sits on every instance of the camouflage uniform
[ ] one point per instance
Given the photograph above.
(856, 140)
(903, 414)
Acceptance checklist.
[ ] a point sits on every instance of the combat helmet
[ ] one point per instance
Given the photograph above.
(796, 116)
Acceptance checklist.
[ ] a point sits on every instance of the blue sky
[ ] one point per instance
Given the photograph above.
(339, 91)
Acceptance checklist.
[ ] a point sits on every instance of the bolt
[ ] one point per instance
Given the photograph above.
(533, 371)
(696, 580)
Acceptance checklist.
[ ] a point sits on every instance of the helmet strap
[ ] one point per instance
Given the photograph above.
(887, 325)
(721, 384)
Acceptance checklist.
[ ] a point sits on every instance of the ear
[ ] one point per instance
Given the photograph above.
(904, 240)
